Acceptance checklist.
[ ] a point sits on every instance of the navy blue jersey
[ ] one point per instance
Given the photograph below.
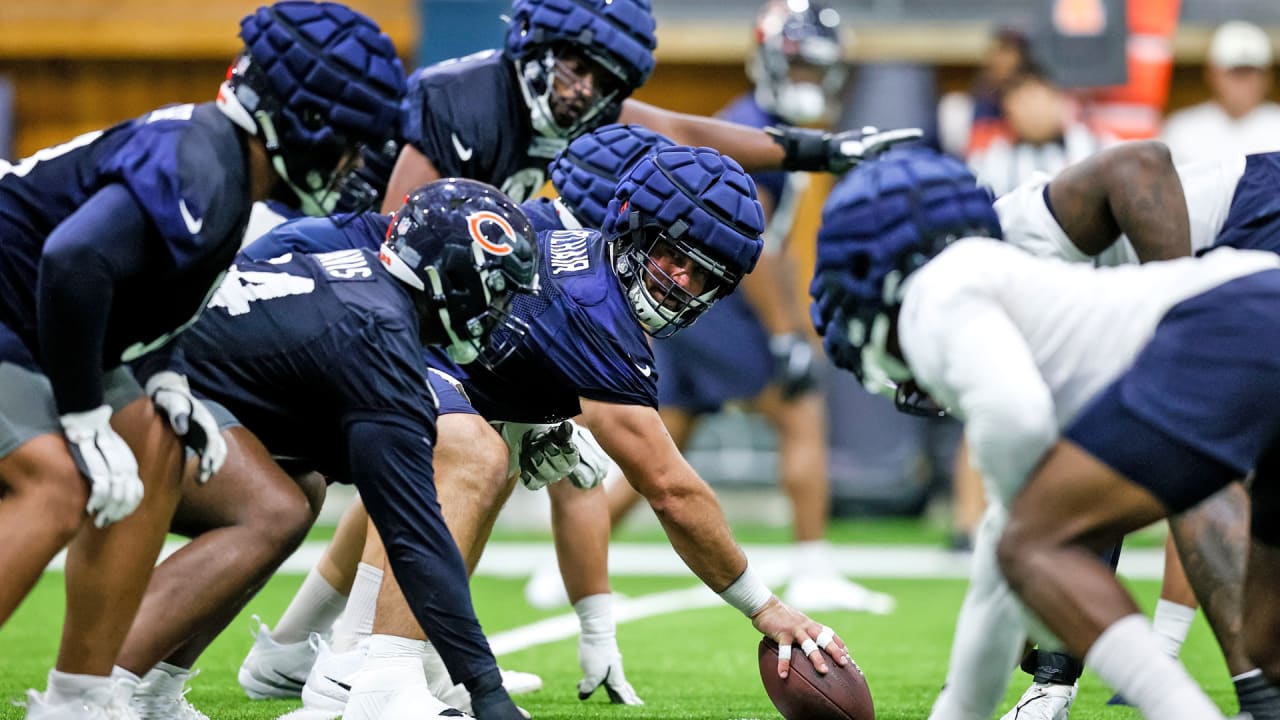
(745, 111)
(302, 346)
(184, 166)
(470, 119)
(547, 214)
(1253, 222)
(340, 232)
(583, 340)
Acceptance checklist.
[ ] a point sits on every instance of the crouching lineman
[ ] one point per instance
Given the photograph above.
(904, 321)
(109, 244)
(320, 357)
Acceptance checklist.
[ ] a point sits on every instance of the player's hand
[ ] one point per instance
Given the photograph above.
(817, 150)
(190, 420)
(106, 460)
(793, 367)
(547, 454)
(593, 461)
(601, 664)
(786, 625)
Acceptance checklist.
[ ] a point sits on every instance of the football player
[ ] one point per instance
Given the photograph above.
(320, 357)
(899, 318)
(797, 70)
(590, 357)
(110, 245)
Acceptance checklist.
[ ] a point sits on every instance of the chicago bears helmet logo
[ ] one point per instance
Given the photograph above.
(497, 240)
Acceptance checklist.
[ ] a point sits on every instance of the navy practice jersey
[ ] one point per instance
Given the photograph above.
(547, 214)
(745, 111)
(185, 166)
(300, 347)
(469, 118)
(583, 340)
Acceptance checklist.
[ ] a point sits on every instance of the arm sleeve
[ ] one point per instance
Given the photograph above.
(84, 258)
(979, 360)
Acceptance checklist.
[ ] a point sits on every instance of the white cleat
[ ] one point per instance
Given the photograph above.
(161, 696)
(274, 670)
(1043, 702)
(106, 703)
(810, 593)
(440, 684)
(328, 685)
(545, 589)
(417, 703)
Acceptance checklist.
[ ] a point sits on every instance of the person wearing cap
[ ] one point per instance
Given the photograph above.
(1239, 119)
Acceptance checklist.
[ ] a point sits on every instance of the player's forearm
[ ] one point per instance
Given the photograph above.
(1148, 203)
(696, 527)
(768, 294)
(412, 170)
(751, 147)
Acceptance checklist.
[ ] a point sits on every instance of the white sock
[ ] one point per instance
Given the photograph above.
(313, 609)
(1171, 622)
(356, 622)
(68, 687)
(1130, 658)
(812, 559)
(433, 666)
(119, 673)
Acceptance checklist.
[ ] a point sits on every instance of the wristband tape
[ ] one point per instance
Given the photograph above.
(748, 593)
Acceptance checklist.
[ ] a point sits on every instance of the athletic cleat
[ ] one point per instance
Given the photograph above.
(1119, 700)
(161, 696)
(832, 592)
(107, 703)
(417, 703)
(1043, 702)
(328, 685)
(274, 670)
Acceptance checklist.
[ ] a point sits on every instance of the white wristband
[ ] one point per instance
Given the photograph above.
(748, 593)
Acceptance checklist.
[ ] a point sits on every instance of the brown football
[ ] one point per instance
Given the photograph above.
(841, 694)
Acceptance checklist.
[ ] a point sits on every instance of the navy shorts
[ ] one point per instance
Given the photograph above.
(451, 396)
(724, 356)
(1201, 403)
(1253, 222)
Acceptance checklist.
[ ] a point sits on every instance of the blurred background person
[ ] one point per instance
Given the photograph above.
(1238, 119)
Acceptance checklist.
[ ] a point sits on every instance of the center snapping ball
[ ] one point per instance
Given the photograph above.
(841, 694)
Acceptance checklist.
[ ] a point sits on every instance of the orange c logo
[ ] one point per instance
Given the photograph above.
(475, 223)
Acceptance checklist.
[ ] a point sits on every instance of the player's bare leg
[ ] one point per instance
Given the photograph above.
(968, 499)
(1072, 509)
(1261, 613)
(42, 509)
(108, 568)
(245, 522)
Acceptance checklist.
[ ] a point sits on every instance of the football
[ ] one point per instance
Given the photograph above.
(841, 694)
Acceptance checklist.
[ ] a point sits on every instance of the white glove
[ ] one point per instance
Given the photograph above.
(547, 454)
(190, 420)
(106, 460)
(593, 461)
(598, 654)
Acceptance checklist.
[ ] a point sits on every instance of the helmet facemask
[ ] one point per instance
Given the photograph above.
(563, 101)
(797, 67)
(659, 302)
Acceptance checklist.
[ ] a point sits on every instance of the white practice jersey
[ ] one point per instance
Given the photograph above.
(1017, 345)
(1209, 187)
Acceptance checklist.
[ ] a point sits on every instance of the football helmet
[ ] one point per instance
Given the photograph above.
(692, 204)
(465, 248)
(882, 222)
(790, 35)
(314, 81)
(554, 41)
(586, 173)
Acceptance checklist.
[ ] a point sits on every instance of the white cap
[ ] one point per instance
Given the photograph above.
(1240, 44)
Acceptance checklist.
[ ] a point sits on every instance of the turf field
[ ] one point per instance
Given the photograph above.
(697, 663)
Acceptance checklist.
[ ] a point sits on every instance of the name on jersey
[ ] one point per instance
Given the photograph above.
(345, 264)
(568, 250)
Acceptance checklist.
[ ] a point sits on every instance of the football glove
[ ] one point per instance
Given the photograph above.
(598, 653)
(190, 420)
(818, 150)
(793, 368)
(547, 454)
(593, 462)
(106, 460)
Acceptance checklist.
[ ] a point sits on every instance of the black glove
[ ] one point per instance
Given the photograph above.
(793, 367)
(819, 150)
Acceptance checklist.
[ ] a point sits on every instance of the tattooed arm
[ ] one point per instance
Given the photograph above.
(1131, 189)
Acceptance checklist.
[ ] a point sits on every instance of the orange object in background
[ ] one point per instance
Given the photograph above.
(1134, 110)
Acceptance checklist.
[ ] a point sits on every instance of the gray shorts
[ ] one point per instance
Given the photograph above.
(27, 410)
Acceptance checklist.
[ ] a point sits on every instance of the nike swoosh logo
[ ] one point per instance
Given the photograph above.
(193, 225)
(464, 152)
(290, 680)
(645, 370)
(339, 683)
